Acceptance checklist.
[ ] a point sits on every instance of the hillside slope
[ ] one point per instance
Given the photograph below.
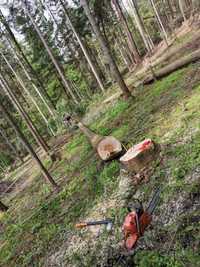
(39, 228)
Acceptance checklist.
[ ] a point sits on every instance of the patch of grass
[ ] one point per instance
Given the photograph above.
(185, 157)
(111, 113)
(154, 259)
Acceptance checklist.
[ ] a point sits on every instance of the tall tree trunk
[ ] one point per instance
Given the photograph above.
(65, 81)
(50, 110)
(22, 55)
(113, 67)
(131, 42)
(85, 52)
(95, 61)
(10, 145)
(24, 88)
(127, 61)
(3, 207)
(159, 21)
(40, 141)
(69, 45)
(29, 148)
(141, 27)
(181, 6)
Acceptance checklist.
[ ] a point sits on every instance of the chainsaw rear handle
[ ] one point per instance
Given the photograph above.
(80, 225)
(84, 224)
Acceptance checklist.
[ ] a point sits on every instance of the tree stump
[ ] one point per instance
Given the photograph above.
(107, 147)
(140, 156)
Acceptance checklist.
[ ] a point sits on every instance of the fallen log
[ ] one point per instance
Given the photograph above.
(139, 156)
(180, 63)
(107, 147)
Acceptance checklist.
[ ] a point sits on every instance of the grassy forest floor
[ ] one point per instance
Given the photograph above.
(38, 229)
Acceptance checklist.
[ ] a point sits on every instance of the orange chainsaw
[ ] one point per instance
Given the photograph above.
(138, 220)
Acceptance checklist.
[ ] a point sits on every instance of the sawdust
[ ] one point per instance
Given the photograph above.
(82, 241)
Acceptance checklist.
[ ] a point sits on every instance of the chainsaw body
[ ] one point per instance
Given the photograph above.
(134, 227)
(137, 221)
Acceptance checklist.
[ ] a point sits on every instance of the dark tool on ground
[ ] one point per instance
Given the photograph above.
(138, 220)
(107, 222)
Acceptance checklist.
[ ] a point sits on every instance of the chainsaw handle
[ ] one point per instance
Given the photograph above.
(80, 225)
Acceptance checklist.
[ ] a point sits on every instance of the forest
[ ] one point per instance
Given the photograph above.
(99, 133)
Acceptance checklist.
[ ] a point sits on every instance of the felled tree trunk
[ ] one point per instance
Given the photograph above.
(180, 63)
(107, 147)
(139, 156)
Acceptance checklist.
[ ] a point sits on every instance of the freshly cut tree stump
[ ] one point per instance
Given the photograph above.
(107, 147)
(140, 155)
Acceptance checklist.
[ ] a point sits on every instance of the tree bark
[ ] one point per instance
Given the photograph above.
(40, 141)
(29, 148)
(66, 82)
(113, 67)
(131, 42)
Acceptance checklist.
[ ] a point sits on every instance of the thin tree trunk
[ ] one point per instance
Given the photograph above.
(141, 27)
(95, 61)
(113, 67)
(23, 56)
(40, 141)
(131, 42)
(159, 21)
(32, 82)
(24, 88)
(120, 36)
(29, 148)
(65, 81)
(11, 146)
(180, 2)
(85, 52)
(66, 41)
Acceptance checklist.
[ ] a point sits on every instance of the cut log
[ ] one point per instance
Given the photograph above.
(139, 156)
(107, 147)
(92, 137)
(180, 63)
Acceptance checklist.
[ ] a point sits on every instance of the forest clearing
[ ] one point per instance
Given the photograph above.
(100, 108)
